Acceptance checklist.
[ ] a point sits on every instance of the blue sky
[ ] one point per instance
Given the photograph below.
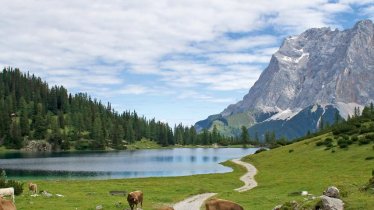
(175, 60)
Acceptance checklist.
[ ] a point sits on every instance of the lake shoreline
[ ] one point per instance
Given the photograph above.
(103, 165)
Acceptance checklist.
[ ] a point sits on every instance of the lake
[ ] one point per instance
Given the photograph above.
(119, 164)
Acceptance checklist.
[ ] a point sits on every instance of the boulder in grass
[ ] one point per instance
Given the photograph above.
(332, 192)
(329, 203)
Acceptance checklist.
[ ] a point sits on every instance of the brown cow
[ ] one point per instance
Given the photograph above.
(6, 205)
(33, 187)
(134, 198)
(219, 204)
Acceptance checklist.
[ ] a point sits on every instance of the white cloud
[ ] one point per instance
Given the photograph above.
(134, 90)
(213, 45)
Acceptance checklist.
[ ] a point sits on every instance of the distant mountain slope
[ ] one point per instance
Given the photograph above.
(333, 70)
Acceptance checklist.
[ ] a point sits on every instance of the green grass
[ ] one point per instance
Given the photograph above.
(313, 169)
(280, 173)
(144, 144)
(157, 191)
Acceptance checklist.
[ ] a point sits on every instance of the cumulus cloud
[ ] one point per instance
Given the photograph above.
(212, 45)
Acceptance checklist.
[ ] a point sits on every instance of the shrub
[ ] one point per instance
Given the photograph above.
(354, 138)
(362, 141)
(345, 136)
(370, 137)
(260, 150)
(82, 145)
(4, 183)
(18, 186)
(328, 142)
(344, 128)
(369, 158)
(342, 143)
(290, 151)
(319, 143)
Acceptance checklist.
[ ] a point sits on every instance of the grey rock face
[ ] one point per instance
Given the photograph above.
(332, 192)
(331, 203)
(320, 66)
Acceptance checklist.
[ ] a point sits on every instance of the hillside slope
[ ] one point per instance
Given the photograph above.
(303, 166)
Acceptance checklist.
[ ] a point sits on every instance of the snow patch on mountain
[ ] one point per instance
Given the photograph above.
(284, 115)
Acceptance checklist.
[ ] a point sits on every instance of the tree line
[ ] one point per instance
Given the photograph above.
(31, 110)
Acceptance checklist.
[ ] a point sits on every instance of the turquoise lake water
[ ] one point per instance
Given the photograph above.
(119, 164)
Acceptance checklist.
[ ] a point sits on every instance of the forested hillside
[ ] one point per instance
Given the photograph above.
(31, 110)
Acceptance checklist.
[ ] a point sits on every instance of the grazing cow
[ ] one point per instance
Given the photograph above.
(6, 205)
(134, 198)
(219, 204)
(7, 191)
(33, 188)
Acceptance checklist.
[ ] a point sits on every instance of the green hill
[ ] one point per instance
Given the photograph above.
(341, 156)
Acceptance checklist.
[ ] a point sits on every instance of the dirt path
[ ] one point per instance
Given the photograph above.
(248, 178)
(196, 201)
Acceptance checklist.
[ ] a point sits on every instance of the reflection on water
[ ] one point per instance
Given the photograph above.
(119, 164)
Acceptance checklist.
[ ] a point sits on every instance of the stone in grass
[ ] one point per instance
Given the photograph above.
(329, 203)
(332, 192)
(99, 207)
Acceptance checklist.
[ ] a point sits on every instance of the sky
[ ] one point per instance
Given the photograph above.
(177, 61)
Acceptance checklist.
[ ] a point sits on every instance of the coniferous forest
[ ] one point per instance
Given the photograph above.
(31, 110)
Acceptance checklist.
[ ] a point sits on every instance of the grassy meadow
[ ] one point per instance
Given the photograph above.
(301, 166)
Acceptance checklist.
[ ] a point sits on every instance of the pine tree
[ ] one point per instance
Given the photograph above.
(205, 137)
(215, 135)
(244, 136)
(117, 136)
(98, 134)
(15, 133)
(40, 127)
(24, 122)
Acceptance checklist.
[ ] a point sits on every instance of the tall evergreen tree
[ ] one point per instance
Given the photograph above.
(40, 127)
(244, 136)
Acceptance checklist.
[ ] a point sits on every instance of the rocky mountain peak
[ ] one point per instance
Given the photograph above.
(319, 66)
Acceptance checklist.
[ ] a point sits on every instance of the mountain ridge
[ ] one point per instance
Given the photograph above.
(318, 67)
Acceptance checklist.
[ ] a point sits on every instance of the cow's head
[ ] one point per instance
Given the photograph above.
(132, 198)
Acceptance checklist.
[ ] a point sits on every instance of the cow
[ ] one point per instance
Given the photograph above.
(134, 198)
(220, 204)
(7, 191)
(6, 205)
(33, 188)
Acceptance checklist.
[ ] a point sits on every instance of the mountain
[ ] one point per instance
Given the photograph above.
(312, 77)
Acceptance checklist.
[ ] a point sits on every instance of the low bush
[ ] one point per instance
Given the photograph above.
(328, 142)
(260, 150)
(342, 143)
(4, 183)
(319, 143)
(290, 151)
(354, 138)
(18, 186)
(369, 158)
(82, 145)
(362, 141)
(370, 137)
